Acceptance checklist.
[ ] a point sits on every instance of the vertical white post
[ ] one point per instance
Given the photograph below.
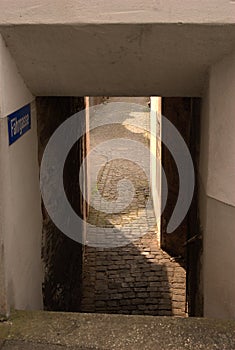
(155, 159)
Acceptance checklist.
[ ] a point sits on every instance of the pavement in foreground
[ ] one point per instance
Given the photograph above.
(56, 331)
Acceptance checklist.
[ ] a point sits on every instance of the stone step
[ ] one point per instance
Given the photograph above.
(49, 330)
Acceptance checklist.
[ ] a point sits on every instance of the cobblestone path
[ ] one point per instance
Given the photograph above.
(137, 278)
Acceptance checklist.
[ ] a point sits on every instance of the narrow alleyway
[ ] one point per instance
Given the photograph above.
(138, 278)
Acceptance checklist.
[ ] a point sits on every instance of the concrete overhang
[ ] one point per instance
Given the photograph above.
(94, 49)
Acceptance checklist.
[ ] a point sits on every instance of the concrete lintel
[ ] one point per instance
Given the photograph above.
(121, 59)
(112, 11)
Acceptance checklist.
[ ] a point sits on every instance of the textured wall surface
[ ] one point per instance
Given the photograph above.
(62, 257)
(20, 211)
(131, 11)
(117, 59)
(217, 194)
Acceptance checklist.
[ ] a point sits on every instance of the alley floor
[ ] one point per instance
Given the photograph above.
(139, 277)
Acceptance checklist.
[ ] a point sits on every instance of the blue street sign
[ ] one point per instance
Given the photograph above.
(19, 123)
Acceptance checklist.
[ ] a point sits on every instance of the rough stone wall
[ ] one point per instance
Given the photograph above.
(186, 240)
(62, 257)
(178, 112)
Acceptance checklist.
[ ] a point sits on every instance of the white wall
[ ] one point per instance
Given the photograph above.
(20, 211)
(217, 190)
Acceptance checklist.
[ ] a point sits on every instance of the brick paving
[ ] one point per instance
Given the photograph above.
(138, 278)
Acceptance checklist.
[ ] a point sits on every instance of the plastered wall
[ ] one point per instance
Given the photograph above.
(20, 212)
(217, 190)
(131, 11)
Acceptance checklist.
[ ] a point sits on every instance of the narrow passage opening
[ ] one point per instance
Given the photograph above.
(128, 264)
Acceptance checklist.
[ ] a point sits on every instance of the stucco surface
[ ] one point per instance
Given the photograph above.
(13, 91)
(218, 262)
(131, 11)
(117, 59)
(221, 161)
(20, 211)
(24, 224)
(217, 191)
